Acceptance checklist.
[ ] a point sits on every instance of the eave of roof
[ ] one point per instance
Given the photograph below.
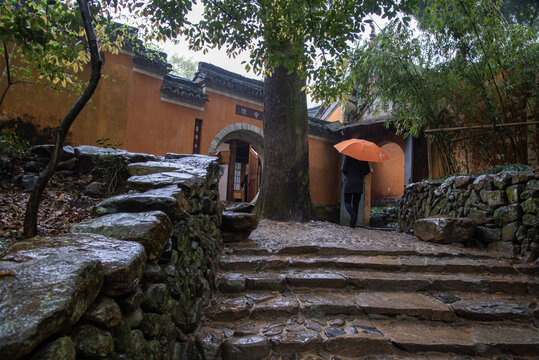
(179, 88)
(214, 76)
(323, 129)
(368, 122)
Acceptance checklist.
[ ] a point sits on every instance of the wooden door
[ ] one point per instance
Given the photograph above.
(252, 187)
(231, 169)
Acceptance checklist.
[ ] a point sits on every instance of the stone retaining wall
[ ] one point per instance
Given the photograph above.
(504, 206)
(129, 284)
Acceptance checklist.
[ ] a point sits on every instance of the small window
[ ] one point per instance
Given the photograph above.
(196, 136)
(237, 176)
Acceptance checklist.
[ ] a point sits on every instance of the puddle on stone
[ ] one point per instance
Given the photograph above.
(334, 332)
(372, 331)
(447, 299)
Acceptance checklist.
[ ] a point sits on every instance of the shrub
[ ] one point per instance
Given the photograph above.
(12, 151)
(109, 169)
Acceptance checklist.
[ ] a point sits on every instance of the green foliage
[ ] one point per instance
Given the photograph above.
(382, 217)
(311, 37)
(493, 170)
(182, 66)
(520, 11)
(12, 151)
(386, 209)
(107, 143)
(13, 144)
(465, 66)
(109, 168)
(509, 167)
(43, 42)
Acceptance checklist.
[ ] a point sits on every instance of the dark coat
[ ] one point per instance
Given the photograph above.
(353, 173)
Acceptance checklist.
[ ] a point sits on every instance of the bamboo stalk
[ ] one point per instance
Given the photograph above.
(431, 131)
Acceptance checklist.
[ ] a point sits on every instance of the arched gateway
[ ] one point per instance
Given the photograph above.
(241, 149)
(240, 131)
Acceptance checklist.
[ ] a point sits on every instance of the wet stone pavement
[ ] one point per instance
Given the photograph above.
(324, 291)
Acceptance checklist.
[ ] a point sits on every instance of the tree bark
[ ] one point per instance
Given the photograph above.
(284, 192)
(532, 132)
(7, 72)
(32, 207)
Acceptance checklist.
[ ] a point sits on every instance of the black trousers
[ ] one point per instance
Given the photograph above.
(351, 202)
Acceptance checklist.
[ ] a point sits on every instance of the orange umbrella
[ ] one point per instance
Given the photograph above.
(362, 150)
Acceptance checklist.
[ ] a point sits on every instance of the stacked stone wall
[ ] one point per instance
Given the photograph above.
(128, 284)
(504, 206)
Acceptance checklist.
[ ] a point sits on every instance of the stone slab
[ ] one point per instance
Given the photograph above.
(153, 167)
(228, 310)
(316, 279)
(86, 155)
(246, 348)
(265, 281)
(252, 263)
(123, 261)
(380, 263)
(296, 342)
(444, 229)
(185, 181)
(493, 309)
(275, 308)
(471, 339)
(152, 229)
(327, 303)
(43, 290)
(171, 200)
(239, 222)
(411, 304)
(358, 345)
(199, 161)
(231, 283)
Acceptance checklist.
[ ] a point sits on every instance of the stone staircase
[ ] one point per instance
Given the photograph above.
(341, 302)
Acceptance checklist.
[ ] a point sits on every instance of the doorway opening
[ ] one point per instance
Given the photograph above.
(387, 187)
(241, 171)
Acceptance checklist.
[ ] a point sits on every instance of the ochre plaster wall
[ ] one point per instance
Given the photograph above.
(158, 127)
(223, 108)
(127, 108)
(336, 115)
(324, 172)
(104, 116)
(388, 176)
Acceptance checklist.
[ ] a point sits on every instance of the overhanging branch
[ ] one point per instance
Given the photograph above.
(475, 127)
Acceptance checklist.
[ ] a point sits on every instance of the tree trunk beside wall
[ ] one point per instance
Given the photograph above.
(284, 193)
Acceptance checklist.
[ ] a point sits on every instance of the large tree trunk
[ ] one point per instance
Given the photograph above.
(30, 219)
(284, 192)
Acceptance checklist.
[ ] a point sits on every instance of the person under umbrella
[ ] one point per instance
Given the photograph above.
(353, 175)
(354, 168)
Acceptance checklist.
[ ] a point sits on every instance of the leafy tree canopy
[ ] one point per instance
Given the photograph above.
(183, 66)
(42, 41)
(514, 11)
(467, 63)
(47, 42)
(316, 35)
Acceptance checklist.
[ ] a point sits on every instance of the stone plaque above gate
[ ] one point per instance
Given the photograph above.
(249, 112)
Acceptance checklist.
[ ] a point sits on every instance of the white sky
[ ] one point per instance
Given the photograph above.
(214, 56)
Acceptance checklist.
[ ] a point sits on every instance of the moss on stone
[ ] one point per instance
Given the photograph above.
(60, 349)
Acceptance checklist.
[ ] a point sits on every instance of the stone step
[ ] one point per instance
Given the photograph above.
(230, 282)
(356, 338)
(250, 248)
(316, 304)
(361, 262)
